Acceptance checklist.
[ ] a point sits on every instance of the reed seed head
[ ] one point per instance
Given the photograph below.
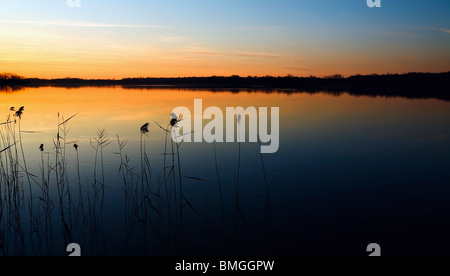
(19, 112)
(144, 129)
(175, 119)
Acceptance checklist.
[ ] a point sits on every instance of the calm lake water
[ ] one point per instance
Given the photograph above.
(350, 171)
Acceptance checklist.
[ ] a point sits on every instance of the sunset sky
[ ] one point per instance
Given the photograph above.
(171, 38)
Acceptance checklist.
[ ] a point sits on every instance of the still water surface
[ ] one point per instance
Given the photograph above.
(350, 171)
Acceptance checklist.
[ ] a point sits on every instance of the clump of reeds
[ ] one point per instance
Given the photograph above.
(150, 202)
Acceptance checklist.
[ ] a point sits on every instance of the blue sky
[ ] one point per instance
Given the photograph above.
(223, 37)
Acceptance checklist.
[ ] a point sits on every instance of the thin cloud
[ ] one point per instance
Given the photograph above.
(81, 24)
(443, 30)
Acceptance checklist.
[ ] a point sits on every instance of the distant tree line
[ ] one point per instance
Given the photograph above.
(412, 85)
(7, 78)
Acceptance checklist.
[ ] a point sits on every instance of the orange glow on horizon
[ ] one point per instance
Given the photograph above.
(117, 39)
(40, 56)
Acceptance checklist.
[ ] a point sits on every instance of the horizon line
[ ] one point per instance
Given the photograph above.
(337, 76)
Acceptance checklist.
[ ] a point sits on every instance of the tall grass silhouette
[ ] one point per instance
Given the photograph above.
(65, 201)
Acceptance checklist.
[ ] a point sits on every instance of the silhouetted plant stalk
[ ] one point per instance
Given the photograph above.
(40, 238)
(175, 189)
(80, 210)
(268, 203)
(168, 191)
(64, 172)
(97, 231)
(144, 185)
(151, 203)
(129, 190)
(238, 213)
(174, 124)
(101, 141)
(177, 196)
(18, 115)
(62, 179)
(181, 189)
(11, 190)
(146, 170)
(57, 144)
(46, 203)
(4, 187)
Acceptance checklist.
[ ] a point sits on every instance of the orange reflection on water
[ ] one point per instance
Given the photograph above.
(123, 111)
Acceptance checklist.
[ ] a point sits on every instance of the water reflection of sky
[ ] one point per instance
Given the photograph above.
(350, 170)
